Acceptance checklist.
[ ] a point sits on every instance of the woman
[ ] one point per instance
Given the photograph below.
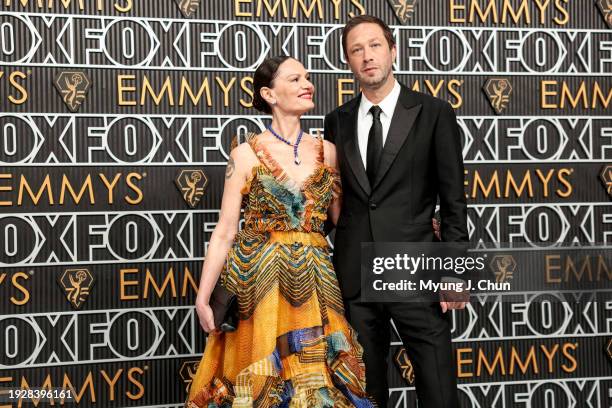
(293, 346)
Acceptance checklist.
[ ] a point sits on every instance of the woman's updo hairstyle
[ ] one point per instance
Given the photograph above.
(264, 76)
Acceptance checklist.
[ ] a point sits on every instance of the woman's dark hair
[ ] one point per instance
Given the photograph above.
(264, 76)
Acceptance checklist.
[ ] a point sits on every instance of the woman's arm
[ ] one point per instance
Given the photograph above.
(333, 212)
(223, 235)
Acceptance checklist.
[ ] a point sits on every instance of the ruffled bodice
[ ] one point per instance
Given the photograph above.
(275, 202)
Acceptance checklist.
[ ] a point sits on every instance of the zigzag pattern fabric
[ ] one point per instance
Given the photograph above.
(293, 346)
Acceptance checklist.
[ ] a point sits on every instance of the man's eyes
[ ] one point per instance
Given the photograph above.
(356, 50)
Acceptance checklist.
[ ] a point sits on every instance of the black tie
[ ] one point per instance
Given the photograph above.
(375, 144)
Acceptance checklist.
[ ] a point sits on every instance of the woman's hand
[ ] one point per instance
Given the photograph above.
(205, 314)
(436, 228)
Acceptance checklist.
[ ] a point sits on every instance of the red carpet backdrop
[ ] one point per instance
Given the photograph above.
(117, 119)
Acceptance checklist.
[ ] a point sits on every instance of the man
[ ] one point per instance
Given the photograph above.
(398, 152)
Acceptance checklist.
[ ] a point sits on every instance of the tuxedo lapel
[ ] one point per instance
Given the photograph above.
(404, 116)
(348, 124)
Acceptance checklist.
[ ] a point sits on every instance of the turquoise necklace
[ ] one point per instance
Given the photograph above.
(295, 145)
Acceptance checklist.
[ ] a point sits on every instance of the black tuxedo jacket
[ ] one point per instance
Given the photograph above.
(421, 161)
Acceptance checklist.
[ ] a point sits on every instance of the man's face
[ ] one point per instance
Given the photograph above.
(369, 55)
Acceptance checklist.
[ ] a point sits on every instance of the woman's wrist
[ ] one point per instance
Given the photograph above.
(202, 299)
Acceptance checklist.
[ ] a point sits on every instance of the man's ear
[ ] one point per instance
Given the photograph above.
(268, 95)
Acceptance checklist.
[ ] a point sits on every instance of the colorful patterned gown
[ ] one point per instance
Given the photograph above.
(293, 346)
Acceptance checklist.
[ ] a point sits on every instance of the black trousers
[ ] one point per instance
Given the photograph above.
(425, 332)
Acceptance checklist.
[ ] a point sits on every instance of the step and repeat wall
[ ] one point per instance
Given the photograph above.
(117, 119)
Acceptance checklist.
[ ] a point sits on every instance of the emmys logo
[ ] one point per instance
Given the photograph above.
(405, 365)
(498, 91)
(503, 266)
(73, 87)
(187, 372)
(188, 7)
(606, 178)
(76, 284)
(605, 6)
(192, 183)
(403, 9)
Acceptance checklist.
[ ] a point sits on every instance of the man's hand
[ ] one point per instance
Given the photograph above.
(452, 305)
(450, 299)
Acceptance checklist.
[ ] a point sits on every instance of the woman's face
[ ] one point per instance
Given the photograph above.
(291, 89)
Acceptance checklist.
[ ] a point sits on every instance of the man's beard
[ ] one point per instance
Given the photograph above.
(374, 83)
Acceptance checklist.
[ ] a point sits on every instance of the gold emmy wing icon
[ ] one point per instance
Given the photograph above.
(191, 184)
(76, 284)
(606, 178)
(404, 9)
(187, 372)
(405, 365)
(73, 86)
(188, 7)
(498, 91)
(504, 267)
(605, 6)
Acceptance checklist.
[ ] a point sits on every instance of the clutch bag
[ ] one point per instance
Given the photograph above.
(224, 306)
